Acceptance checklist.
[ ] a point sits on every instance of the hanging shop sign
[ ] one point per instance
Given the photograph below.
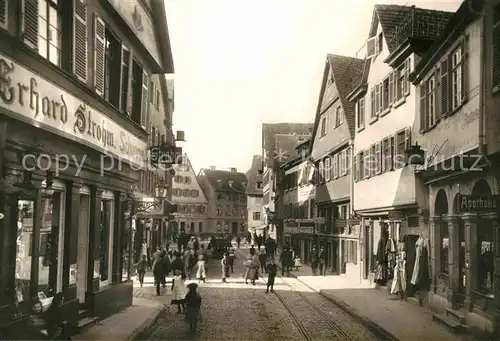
(307, 228)
(477, 203)
(36, 101)
(165, 156)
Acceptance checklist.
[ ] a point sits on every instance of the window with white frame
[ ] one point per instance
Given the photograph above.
(456, 78)
(339, 116)
(360, 113)
(324, 125)
(49, 31)
(328, 169)
(431, 101)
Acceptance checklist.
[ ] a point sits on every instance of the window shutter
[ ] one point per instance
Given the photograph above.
(406, 88)
(392, 150)
(357, 173)
(407, 139)
(125, 81)
(335, 166)
(145, 102)
(377, 158)
(80, 40)
(158, 139)
(465, 74)
(4, 13)
(373, 109)
(444, 87)
(423, 105)
(30, 23)
(99, 54)
(391, 87)
(496, 54)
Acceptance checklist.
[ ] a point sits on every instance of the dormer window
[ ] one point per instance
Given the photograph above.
(230, 183)
(259, 184)
(219, 182)
(243, 184)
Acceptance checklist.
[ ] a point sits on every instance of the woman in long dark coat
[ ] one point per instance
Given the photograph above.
(159, 272)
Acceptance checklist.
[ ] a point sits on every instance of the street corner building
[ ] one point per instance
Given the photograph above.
(76, 98)
(227, 202)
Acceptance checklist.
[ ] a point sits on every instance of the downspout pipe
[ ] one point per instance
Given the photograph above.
(485, 66)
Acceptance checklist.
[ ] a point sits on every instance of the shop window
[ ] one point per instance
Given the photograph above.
(445, 244)
(106, 238)
(128, 240)
(256, 215)
(485, 248)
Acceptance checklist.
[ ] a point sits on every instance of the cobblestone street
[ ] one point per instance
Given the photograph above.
(235, 310)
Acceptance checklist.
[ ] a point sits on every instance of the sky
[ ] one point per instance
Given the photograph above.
(239, 63)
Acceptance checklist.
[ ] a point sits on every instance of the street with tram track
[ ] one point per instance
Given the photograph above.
(236, 310)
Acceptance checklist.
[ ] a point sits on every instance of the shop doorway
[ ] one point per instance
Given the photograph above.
(367, 250)
(83, 249)
(234, 228)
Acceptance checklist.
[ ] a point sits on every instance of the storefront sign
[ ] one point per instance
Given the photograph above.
(140, 22)
(291, 227)
(42, 104)
(307, 228)
(476, 203)
(165, 157)
(306, 192)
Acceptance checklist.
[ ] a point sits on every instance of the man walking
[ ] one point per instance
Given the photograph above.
(321, 261)
(314, 261)
(286, 261)
(272, 270)
(238, 241)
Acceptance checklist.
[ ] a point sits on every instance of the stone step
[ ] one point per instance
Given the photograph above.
(86, 322)
(456, 315)
(449, 323)
(82, 313)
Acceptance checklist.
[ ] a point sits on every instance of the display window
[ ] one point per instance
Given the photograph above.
(103, 266)
(46, 257)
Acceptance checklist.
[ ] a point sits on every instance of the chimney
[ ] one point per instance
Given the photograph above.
(211, 167)
(233, 170)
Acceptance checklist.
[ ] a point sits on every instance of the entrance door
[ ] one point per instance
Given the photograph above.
(234, 228)
(83, 249)
(367, 250)
(461, 264)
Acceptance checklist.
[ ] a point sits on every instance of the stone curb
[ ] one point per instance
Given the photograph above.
(379, 331)
(136, 334)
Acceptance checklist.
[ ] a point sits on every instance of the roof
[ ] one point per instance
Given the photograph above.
(163, 37)
(253, 176)
(347, 73)
(466, 13)
(269, 130)
(220, 180)
(286, 147)
(393, 18)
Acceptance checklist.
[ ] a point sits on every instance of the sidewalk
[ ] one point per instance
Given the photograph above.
(125, 325)
(403, 320)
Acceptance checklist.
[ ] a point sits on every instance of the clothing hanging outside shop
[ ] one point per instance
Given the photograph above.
(421, 278)
(399, 282)
(382, 259)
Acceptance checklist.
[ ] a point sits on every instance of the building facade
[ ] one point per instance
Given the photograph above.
(295, 204)
(191, 215)
(274, 155)
(227, 201)
(254, 196)
(74, 118)
(331, 151)
(388, 198)
(457, 127)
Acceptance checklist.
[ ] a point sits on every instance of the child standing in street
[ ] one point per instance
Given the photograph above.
(141, 268)
(201, 269)
(193, 307)
(225, 268)
(178, 290)
(272, 270)
(231, 259)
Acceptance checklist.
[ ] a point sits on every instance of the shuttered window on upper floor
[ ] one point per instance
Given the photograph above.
(4, 14)
(445, 90)
(496, 47)
(56, 30)
(140, 95)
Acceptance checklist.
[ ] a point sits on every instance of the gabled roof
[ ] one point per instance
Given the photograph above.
(253, 176)
(220, 180)
(180, 170)
(286, 147)
(466, 13)
(269, 130)
(347, 73)
(394, 17)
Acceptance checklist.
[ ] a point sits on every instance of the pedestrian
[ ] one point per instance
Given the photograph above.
(201, 270)
(262, 260)
(193, 307)
(141, 268)
(321, 261)
(272, 270)
(252, 267)
(196, 244)
(187, 263)
(159, 274)
(178, 263)
(225, 268)
(144, 251)
(259, 242)
(238, 241)
(231, 257)
(286, 258)
(178, 290)
(297, 262)
(314, 261)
